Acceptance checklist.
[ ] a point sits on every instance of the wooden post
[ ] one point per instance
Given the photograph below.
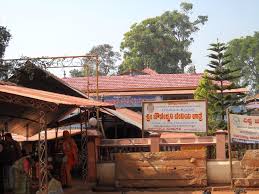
(229, 149)
(155, 142)
(116, 127)
(221, 144)
(27, 132)
(142, 131)
(97, 78)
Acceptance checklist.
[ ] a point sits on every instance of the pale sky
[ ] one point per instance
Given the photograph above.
(72, 27)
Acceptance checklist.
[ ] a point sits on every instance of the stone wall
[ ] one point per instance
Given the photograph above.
(106, 174)
(161, 169)
(218, 171)
(249, 166)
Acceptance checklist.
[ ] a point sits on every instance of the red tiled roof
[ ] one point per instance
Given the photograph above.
(160, 92)
(253, 98)
(149, 71)
(137, 82)
(7, 83)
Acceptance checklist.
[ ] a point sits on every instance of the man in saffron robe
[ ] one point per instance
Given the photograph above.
(70, 159)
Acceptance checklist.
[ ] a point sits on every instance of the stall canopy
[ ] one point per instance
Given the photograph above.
(31, 76)
(51, 134)
(21, 108)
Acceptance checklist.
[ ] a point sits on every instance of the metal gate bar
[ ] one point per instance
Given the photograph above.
(84, 140)
(43, 154)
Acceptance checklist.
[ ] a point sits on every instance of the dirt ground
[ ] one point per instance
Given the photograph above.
(84, 188)
(156, 192)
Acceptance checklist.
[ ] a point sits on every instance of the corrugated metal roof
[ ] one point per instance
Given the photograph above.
(20, 116)
(32, 76)
(50, 96)
(135, 119)
(126, 115)
(51, 134)
(19, 138)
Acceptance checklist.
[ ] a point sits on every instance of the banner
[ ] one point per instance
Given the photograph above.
(130, 101)
(175, 116)
(244, 128)
(253, 105)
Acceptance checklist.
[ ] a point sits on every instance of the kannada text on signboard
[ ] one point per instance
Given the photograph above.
(175, 116)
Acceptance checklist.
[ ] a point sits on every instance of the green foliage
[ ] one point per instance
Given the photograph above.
(77, 73)
(204, 90)
(107, 62)
(161, 43)
(222, 79)
(5, 37)
(191, 69)
(245, 55)
(107, 58)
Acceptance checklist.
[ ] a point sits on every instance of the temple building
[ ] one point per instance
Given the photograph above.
(131, 88)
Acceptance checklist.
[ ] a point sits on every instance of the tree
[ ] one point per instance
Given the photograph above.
(222, 79)
(107, 62)
(107, 58)
(161, 43)
(204, 91)
(77, 73)
(245, 55)
(191, 69)
(5, 37)
(89, 69)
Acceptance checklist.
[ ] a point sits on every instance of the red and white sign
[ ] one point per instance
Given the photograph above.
(244, 128)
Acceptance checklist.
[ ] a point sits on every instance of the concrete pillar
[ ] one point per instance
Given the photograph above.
(155, 142)
(94, 139)
(97, 144)
(91, 159)
(221, 144)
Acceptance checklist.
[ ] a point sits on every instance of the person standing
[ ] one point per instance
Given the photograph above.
(21, 174)
(14, 153)
(3, 155)
(70, 158)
